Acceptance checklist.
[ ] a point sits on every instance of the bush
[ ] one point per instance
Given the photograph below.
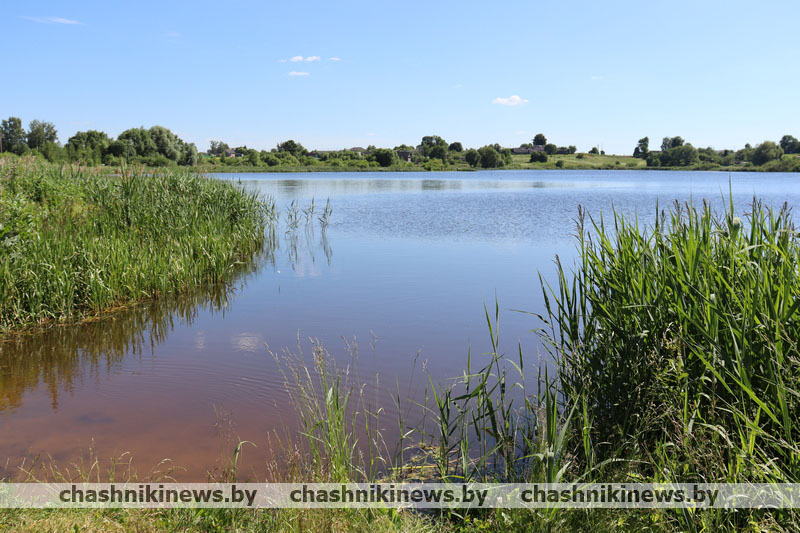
(560, 163)
(538, 157)
(766, 152)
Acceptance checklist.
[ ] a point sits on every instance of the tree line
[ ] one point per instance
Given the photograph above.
(156, 146)
(675, 152)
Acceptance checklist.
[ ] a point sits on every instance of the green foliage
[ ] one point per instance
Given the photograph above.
(679, 156)
(642, 148)
(40, 133)
(682, 341)
(434, 146)
(538, 157)
(766, 152)
(384, 157)
(671, 142)
(490, 157)
(74, 242)
(137, 142)
(790, 145)
(88, 146)
(292, 147)
(539, 139)
(594, 151)
(472, 157)
(167, 143)
(217, 148)
(456, 147)
(550, 149)
(12, 136)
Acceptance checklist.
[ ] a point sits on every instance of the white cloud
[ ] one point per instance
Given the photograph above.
(295, 59)
(296, 73)
(511, 100)
(334, 59)
(52, 20)
(370, 134)
(312, 58)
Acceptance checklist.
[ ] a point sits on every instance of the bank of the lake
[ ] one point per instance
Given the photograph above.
(75, 242)
(581, 161)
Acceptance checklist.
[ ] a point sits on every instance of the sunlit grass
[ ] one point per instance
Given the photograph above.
(74, 241)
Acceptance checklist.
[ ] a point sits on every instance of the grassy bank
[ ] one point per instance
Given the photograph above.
(75, 242)
(789, 163)
(677, 361)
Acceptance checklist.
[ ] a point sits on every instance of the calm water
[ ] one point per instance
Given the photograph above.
(402, 272)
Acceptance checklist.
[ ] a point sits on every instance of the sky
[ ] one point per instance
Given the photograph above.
(340, 74)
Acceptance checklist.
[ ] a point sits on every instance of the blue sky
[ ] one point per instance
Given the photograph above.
(586, 73)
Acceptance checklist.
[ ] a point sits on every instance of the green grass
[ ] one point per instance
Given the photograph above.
(75, 242)
(678, 350)
(581, 161)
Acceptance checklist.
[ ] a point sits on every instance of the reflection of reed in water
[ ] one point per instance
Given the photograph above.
(56, 356)
(300, 244)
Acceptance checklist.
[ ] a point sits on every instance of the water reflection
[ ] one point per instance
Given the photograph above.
(60, 358)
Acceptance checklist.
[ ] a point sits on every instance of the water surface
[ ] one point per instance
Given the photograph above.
(402, 272)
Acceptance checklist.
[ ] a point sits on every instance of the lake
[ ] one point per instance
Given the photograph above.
(400, 275)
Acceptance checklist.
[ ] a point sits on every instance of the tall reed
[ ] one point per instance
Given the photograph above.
(74, 242)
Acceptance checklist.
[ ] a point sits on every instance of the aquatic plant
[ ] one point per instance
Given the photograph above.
(77, 241)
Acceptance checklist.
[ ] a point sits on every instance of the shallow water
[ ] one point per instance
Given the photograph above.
(402, 272)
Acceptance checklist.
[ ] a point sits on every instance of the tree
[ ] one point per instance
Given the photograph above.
(572, 148)
(13, 136)
(550, 148)
(404, 148)
(434, 146)
(167, 143)
(189, 156)
(217, 148)
(455, 147)
(122, 148)
(140, 140)
(472, 157)
(538, 157)
(89, 140)
(642, 148)
(438, 151)
(539, 139)
(671, 142)
(594, 150)
(384, 157)
(790, 145)
(490, 157)
(91, 145)
(765, 152)
(40, 132)
(678, 156)
(653, 160)
(294, 148)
